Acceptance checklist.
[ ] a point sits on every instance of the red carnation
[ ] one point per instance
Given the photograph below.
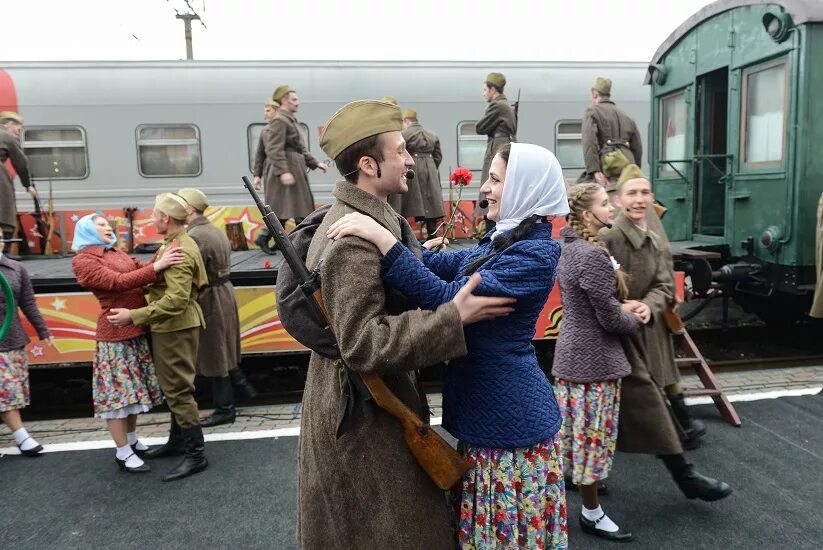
(461, 176)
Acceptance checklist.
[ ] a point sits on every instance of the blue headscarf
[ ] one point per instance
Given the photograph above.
(85, 234)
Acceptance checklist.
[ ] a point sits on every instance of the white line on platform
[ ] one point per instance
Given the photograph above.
(294, 431)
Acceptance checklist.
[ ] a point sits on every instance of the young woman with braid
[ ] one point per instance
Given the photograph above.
(589, 361)
(496, 400)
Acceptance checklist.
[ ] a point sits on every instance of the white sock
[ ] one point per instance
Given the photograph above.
(136, 442)
(22, 438)
(134, 461)
(124, 452)
(605, 524)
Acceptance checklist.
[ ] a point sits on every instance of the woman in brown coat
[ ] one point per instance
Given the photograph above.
(646, 426)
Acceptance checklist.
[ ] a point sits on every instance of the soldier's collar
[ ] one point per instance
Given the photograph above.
(171, 236)
(635, 236)
(368, 204)
(199, 220)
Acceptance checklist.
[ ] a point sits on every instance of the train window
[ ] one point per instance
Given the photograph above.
(56, 152)
(764, 106)
(568, 144)
(253, 135)
(168, 150)
(471, 146)
(673, 127)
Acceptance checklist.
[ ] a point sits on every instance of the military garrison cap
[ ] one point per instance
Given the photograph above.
(281, 92)
(172, 205)
(410, 113)
(358, 120)
(195, 197)
(497, 79)
(602, 86)
(11, 115)
(272, 103)
(389, 99)
(630, 172)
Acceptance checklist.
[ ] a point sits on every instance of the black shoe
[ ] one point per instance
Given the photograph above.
(696, 485)
(195, 459)
(34, 451)
(693, 428)
(262, 242)
(243, 390)
(590, 527)
(172, 447)
(219, 417)
(602, 488)
(139, 452)
(142, 469)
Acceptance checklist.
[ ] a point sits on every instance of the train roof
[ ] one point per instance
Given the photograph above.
(801, 11)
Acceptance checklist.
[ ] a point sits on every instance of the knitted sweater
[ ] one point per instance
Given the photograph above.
(588, 348)
(18, 279)
(496, 396)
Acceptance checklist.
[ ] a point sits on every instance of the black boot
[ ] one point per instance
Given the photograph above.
(694, 428)
(172, 447)
(223, 395)
(194, 460)
(243, 390)
(262, 241)
(693, 483)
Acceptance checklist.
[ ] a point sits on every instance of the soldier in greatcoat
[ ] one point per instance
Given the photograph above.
(817, 303)
(175, 319)
(364, 489)
(424, 199)
(499, 124)
(11, 127)
(269, 111)
(286, 185)
(610, 139)
(219, 353)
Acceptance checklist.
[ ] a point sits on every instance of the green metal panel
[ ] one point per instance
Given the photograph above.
(714, 43)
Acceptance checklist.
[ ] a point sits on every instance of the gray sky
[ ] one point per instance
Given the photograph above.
(548, 30)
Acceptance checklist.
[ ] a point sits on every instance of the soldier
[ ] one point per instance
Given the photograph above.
(498, 123)
(219, 353)
(287, 188)
(378, 332)
(389, 99)
(611, 140)
(269, 112)
(424, 199)
(11, 126)
(175, 319)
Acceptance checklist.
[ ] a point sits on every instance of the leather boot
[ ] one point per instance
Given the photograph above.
(223, 395)
(693, 483)
(194, 460)
(694, 428)
(243, 390)
(172, 447)
(262, 241)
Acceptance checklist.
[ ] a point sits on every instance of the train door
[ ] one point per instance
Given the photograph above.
(711, 162)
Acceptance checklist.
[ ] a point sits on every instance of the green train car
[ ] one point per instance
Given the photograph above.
(736, 148)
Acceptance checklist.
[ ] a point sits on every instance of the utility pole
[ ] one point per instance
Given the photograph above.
(187, 19)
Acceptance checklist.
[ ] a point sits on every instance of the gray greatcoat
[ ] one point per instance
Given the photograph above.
(424, 199)
(365, 490)
(10, 149)
(500, 127)
(286, 152)
(219, 350)
(646, 425)
(604, 121)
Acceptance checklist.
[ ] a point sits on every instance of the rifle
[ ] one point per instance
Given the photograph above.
(516, 111)
(439, 460)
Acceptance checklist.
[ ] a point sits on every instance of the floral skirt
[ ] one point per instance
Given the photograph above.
(14, 380)
(124, 379)
(512, 498)
(590, 413)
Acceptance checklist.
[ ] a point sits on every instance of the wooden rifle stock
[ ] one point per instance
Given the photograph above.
(438, 459)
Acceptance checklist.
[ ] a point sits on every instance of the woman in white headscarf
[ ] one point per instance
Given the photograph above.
(496, 400)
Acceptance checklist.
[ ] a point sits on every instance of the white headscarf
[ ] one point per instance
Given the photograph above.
(534, 185)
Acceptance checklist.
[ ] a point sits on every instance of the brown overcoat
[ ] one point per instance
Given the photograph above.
(286, 152)
(646, 425)
(500, 127)
(424, 199)
(10, 149)
(219, 350)
(817, 304)
(365, 490)
(604, 121)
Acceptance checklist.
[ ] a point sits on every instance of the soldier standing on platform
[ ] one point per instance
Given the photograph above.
(498, 124)
(424, 199)
(219, 353)
(287, 189)
(611, 140)
(269, 112)
(11, 127)
(175, 319)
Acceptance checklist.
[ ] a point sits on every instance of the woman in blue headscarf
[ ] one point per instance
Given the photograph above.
(125, 384)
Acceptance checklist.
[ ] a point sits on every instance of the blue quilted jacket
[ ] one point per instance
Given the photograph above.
(496, 396)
